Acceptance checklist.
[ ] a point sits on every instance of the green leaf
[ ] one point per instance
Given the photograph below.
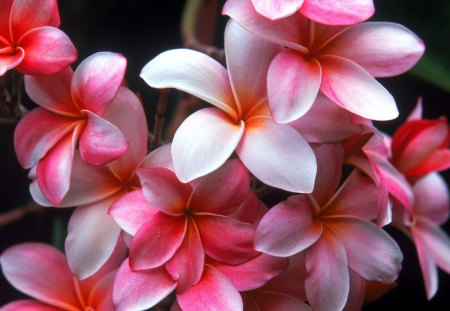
(433, 71)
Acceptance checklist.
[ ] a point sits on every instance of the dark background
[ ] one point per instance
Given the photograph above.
(142, 29)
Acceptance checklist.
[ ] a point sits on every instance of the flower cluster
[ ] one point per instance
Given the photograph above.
(291, 108)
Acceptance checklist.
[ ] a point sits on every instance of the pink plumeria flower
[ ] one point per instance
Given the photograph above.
(93, 189)
(275, 153)
(72, 106)
(41, 271)
(340, 61)
(431, 210)
(30, 40)
(338, 12)
(335, 232)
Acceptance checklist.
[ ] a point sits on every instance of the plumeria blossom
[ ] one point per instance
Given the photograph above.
(41, 271)
(431, 210)
(340, 61)
(93, 189)
(335, 232)
(241, 121)
(71, 108)
(340, 12)
(30, 40)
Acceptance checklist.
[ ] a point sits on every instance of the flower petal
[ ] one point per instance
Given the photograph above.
(276, 9)
(194, 73)
(292, 85)
(345, 83)
(5, 14)
(28, 305)
(203, 142)
(8, 62)
(277, 155)
(431, 198)
(160, 157)
(268, 300)
(97, 80)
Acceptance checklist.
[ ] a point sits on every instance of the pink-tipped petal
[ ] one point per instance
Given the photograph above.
(47, 50)
(8, 62)
(288, 228)
(276, 9)
(439, 160)
(338, 12)
(431, 198)
(203, 142)
(292, 85)
(401, 49)
(40, 271)
(28, 305)
(345, 83)
(86, 233)
(101, 141)
(97, 80)
(140, 290)
(417, 112)
(157, 240)
(288, 162)
(192, 72)
(214, 291)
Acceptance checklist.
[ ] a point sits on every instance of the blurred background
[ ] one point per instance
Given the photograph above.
(140, 30)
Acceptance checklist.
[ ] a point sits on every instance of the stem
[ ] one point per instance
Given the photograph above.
(159, 119)
(19, 213)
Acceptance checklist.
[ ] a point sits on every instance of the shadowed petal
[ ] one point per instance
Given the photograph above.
(431, 198)
(268, 300)
(276, 9)
(5, 13)
(8, 62)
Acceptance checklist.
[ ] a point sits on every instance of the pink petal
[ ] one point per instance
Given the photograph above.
(53, 92)
(157, 240)
(203, 142)
(400, 51)
(131, 211)
(371, 251)
(24, 266)
(338, 12)
(267, 301)
(431, 198)
(100, 297)
(86, 233)
(222, 191)
(439, 160)
(357, 292)
(160, 157)
(8, 62)
(135, 291)
(28, 305)
(327, 283)
(37, 132)
(5, 13)
(101, 141)
(275, 9)
(417, 112)
(97, 80)
(288, 228)
(248, 74)
(292, 85)
(194, 73)
(345, 83)
(288, 163)
(236, 248)
(47, 50)
(186, 266)
(214, 291)
(164, 191)
(251, 210)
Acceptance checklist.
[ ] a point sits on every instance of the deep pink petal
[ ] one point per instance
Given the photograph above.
(236, 248)
(288, 228)
(327, 284)
(275, 9)
(203, 142)
(439, 160)
(101, 141)
(292, 85)
(222, 191)
(251, 210)
(28, 305)
(288, 163)
(357, 292)
(214, 291)
(8, 62)
(370, 250)
(345, 83)
(192, 72)
(25, 265)
(338, 12)
(47, 50)
(401, 49)
(5, 13)
(157, 240)
(164, 191)
(131, 211)
(97, 80)
(267, 301)
(431, 198)
(140, 290)
(91, 228)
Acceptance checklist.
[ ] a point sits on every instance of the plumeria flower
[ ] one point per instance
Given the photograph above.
(93, 189)
(339, 12)
(71, 108)
(335, 232)
(41, 271)
(30, 40)
(431, 210)
(340, 61)
(275, 153)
